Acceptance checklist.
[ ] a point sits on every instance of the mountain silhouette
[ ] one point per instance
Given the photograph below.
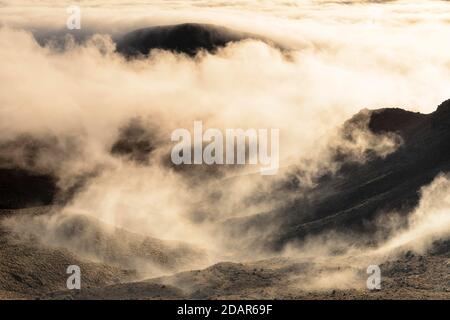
(351, 199)
(186, 38)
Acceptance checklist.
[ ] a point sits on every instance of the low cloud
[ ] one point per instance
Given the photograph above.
(341, 59)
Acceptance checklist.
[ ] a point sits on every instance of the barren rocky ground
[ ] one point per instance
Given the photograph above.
(30, 270)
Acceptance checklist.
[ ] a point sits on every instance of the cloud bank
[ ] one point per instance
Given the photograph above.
(341, 58)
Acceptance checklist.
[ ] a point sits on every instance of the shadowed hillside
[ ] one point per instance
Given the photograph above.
(351, 199)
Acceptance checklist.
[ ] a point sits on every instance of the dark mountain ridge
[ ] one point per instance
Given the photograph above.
(364, 191)
(186, 38)
(353, 198)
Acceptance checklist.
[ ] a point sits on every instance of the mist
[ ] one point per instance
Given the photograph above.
(322, 63)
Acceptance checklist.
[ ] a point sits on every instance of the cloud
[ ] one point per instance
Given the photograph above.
(342, 59)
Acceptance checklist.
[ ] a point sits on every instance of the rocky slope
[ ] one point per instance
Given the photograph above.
(349, 201)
